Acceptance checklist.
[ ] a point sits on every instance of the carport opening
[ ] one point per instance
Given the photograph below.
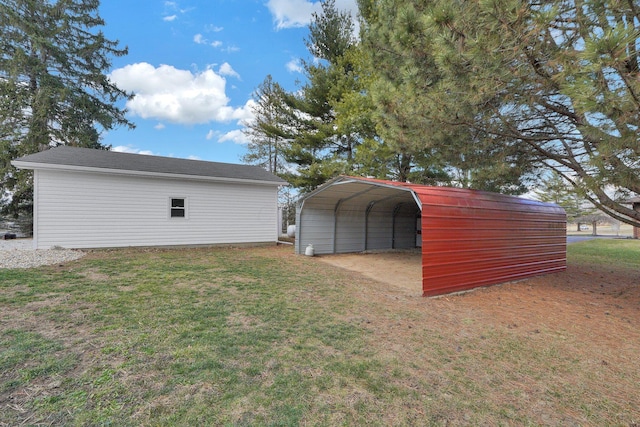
(357, 216)
(369, 228)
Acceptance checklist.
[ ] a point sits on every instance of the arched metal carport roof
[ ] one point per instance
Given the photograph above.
(469, 238)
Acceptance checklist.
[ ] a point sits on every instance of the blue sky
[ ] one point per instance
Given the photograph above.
(194, 64)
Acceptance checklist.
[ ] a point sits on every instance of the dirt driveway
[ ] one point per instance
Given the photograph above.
(402, 269)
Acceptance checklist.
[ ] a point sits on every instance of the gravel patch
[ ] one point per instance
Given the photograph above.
(18, 253)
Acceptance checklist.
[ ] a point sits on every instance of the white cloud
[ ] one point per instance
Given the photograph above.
(131, 149)
(227, 70)
(159, 126)
(211, 134)
(294, 66)
(213, 28)
(292, 13)
(231, 49)
(236, 136)
(297, 13)
(177, 96)
(172, 11)
(200, 39)
(170, 7)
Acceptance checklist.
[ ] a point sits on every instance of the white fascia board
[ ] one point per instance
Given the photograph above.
(47, 166)
(417, 200)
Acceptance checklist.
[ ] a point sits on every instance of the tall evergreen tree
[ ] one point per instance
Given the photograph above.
(556, 189)
(319, 149)
(328, 127)
(53, 85)
(395, 36)
(551, 85)
(330, 33)
(270, 131)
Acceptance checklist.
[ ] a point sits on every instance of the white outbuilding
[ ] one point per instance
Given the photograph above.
(86, 198)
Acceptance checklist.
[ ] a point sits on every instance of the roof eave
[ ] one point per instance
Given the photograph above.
(58, 167)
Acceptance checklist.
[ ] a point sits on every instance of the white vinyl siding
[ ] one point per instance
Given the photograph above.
(92, 210)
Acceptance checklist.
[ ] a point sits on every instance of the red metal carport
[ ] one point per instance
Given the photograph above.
(469, 238)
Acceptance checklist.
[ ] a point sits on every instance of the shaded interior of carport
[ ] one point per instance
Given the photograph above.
(468, 238)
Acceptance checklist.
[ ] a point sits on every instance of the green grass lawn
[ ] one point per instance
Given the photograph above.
(625, 252)
(263, 337)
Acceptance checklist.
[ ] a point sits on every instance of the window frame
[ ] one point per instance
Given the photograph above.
(184, 208)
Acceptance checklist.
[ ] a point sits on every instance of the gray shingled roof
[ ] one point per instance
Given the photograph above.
(100, 159)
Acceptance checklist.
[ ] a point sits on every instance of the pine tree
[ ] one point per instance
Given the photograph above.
(540, 86)
(556, 189)
(269, 131)
(53, 85)
(396, 37)
(319, 149)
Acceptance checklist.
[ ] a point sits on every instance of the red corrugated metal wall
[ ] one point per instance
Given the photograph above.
(472, 238)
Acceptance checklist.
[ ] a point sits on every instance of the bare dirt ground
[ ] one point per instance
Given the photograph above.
(402, 269)
(589, 315)
(597, 304)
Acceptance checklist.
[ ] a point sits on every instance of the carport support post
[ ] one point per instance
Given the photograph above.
(636, 230)
(396, 209)
(335, 224)
(298, 238)
(366, 224)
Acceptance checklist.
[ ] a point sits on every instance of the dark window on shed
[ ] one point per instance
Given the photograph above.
(178, 208)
